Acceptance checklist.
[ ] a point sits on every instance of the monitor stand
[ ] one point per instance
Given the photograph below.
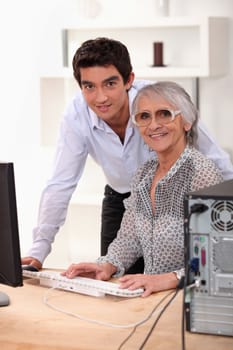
(4, 299)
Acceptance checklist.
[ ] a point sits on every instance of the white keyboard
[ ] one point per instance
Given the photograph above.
(81, 285)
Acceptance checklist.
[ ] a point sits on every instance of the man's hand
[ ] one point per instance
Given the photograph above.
(31, 261)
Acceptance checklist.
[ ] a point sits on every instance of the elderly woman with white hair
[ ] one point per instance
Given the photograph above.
(152, 225)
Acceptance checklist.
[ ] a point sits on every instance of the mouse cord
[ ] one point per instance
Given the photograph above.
(69, 313)
(149, 316)
(158, 318)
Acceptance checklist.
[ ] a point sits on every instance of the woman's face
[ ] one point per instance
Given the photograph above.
(163, 138)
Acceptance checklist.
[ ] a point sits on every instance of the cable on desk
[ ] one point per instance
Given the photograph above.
(175, 293)
(101, 323)
(149, 316)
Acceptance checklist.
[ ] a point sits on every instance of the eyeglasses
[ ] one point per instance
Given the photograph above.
(162, 116)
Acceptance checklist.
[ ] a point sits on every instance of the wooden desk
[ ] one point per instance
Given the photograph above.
(30, 324)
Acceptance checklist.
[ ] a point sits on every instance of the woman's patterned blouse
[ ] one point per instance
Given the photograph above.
(159, 237)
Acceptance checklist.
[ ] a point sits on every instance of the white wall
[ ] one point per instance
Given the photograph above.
(31, 44)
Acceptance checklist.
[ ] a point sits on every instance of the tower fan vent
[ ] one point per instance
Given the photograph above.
(222, 216)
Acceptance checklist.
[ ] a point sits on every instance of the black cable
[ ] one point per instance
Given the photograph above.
(183, 346)
(197, 208)
(149, 316)
(193, 209)
(127, 338)
(158, 318)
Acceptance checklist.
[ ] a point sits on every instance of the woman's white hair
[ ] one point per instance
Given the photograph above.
(178, 97)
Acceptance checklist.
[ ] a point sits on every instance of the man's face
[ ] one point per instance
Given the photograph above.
(105, 92)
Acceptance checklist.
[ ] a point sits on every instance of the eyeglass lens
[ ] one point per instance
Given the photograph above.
(162, 116)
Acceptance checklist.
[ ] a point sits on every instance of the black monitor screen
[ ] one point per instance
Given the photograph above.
(10, 260)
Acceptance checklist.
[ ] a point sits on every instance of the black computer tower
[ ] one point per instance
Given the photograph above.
(208, 228)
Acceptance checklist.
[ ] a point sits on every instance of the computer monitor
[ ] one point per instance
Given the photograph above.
(10, 259)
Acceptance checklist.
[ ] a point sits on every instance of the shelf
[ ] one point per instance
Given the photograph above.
(193, 47)
(159, 22)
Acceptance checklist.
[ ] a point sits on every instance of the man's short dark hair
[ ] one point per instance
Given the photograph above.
(102, 52)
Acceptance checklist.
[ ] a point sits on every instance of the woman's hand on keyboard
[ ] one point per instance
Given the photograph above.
(91, 270)
(150, 283)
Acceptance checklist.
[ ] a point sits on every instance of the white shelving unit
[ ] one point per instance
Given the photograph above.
(193, 47)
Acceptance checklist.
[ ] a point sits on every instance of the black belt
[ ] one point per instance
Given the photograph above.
(109, 191)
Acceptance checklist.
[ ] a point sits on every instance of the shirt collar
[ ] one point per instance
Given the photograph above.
(96, 122)
(146, 181)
